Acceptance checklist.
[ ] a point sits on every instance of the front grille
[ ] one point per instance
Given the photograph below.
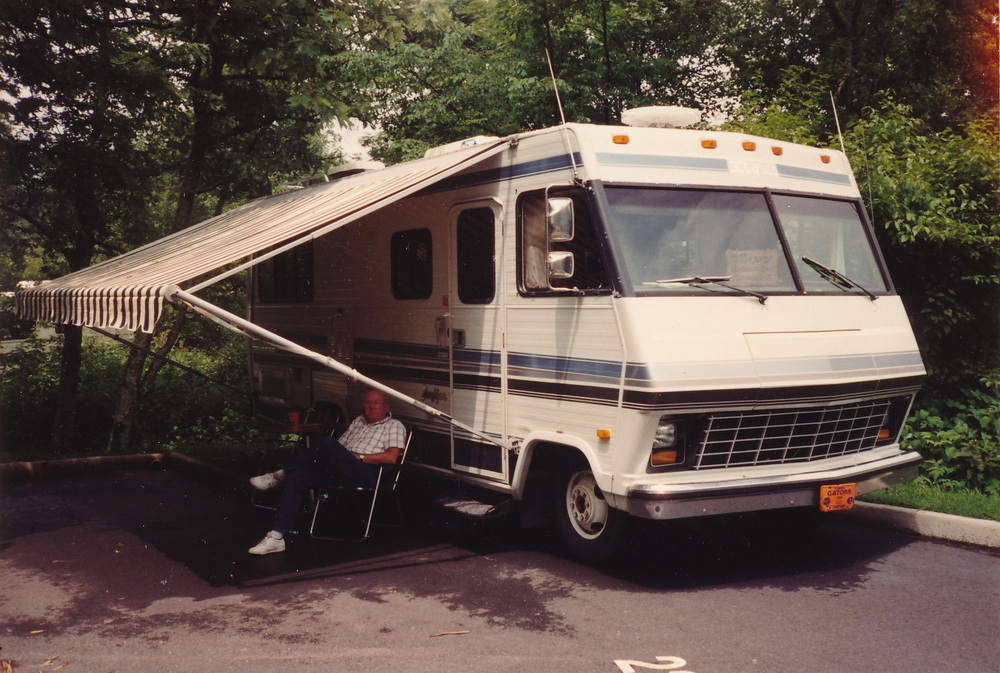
(797, 436)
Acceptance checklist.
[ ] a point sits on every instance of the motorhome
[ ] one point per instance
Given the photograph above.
(596, 322)
(583, 323)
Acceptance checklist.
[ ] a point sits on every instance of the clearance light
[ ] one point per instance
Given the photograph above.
(776, 151)
(709, 144)
(603, 433)
(749, 146)
(620, 140)
(825, 158)
(884, 434)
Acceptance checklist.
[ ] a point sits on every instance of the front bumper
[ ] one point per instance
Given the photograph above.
(718, 494)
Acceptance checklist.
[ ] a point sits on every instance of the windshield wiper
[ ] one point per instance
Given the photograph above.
(714, 280)
(837, 278)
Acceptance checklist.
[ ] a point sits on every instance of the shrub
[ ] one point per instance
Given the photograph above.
(182, 408)
(960, 440)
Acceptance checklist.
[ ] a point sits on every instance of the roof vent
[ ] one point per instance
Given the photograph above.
(661, 116)
(344, 170)
(459, 145)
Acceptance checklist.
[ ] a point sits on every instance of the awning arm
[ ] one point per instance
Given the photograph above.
(243, 326)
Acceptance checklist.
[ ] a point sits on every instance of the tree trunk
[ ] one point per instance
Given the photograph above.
(69, 379)
(127, 405)
(137, 380)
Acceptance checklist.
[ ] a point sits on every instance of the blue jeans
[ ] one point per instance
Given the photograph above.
(325, 463)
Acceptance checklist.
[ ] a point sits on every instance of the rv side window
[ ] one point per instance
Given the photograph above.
(412, 264)
(475, 250)
(287, 277)
(588, 265)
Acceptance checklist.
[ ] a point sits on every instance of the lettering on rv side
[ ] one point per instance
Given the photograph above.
(434, 396)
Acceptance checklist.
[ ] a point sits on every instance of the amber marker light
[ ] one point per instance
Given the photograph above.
(709, 144)
(749, 146)
(620, 140)
(884, 434)
(660, 458)
(825, 158)
(776, 151)
(603, 433)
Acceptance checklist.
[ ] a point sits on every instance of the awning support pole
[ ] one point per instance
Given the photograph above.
(238, 324)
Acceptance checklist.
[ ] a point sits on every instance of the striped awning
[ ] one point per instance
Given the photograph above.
(128, 292)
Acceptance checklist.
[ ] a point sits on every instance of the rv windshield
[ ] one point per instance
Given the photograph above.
(668, 236)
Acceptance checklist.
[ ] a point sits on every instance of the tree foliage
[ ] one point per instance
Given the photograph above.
(122, 120)
(934, 201)
(937, 56)
(477, 67)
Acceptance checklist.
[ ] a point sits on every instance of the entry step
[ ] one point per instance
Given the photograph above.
(475, 509)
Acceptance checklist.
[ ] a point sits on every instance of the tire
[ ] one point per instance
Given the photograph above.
(588, 526)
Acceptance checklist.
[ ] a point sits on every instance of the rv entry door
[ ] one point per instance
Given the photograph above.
(476, 340)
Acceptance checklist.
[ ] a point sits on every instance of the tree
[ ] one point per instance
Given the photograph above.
(482, 67)
(72, 106)
(939, 56)
(934, 202)
(123, 120)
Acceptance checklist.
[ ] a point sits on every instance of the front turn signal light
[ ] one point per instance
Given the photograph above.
(660, 458)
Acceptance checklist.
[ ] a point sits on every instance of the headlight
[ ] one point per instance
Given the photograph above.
(667, 444)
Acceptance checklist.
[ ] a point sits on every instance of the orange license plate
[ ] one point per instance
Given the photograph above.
(837, 497)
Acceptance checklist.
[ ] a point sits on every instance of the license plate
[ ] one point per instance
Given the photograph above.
(837, 497)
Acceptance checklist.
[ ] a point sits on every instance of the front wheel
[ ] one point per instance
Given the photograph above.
(588, 526)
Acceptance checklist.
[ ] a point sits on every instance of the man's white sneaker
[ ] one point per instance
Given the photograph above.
(265, 482)
(272, 542)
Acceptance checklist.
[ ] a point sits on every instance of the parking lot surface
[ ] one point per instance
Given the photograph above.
(147, 570)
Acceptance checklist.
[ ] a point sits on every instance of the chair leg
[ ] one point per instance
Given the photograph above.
(323, 496)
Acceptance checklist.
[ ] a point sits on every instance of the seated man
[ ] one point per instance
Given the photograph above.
(371, 440)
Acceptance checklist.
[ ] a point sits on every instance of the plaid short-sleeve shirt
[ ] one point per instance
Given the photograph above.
(367, 438)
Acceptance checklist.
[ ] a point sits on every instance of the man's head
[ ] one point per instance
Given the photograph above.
(376, 406)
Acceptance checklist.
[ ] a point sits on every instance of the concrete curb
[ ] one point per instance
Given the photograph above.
(56, 469)
(67, 467)
(978, 532)
(948, 527)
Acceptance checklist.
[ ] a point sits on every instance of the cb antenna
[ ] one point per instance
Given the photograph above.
(869, 206)
(562, 115)
(836, 120)
(555, 86)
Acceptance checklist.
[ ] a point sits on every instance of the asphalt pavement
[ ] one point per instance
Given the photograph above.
(139, 563)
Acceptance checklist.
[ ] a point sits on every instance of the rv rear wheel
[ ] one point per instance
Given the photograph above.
(589, 527)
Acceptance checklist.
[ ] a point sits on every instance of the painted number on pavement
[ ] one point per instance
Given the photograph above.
(667, 664)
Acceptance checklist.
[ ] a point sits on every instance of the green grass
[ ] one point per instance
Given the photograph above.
(916, 495)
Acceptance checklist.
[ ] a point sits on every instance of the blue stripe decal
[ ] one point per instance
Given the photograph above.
(659, 161)
(597, 381)
(604, 368)
(812, 174)
(549, 164)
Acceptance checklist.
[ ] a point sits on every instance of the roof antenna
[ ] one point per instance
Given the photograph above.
(836, 120)
(869, 206)
(562, 115)
(555, 87)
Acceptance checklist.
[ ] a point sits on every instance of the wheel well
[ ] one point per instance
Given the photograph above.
(544, 458)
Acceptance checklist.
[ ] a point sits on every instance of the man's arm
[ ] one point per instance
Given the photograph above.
(387, 457)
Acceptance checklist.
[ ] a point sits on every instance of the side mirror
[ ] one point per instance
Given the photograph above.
(559, 217)
(561, 265)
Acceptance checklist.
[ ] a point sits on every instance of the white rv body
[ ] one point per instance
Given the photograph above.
(585, 376)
